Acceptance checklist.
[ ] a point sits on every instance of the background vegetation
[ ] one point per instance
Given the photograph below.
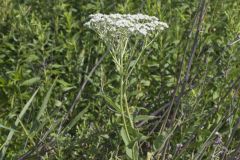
(188, 81)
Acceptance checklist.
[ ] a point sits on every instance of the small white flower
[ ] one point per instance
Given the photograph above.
(131, 29)
(161, 28)
(143, 31)
(217, 134)
(179, 145)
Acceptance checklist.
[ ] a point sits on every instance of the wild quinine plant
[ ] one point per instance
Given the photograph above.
(118, 31)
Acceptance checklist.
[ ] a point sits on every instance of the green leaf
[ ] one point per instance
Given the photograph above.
(136, 135)
(77, 118)
(132, 63)
(32, 58)
(65, 89)
(63, 83)
(215, 95)
(133, 151)
(157, 143)
(57, 66)
(129, 152)
(58, 103)
(124, 136)
(111, 103)
(145, 82)
(143, 118)
(31, 81)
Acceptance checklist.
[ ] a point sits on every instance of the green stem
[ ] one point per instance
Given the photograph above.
(128, 111)
(123, 88)
(122, 108)
(124, 83)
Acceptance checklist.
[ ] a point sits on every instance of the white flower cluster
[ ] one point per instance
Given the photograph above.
(117, 25)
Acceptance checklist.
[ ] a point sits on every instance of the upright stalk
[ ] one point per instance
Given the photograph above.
(123, 88)
(115, 30)
(122, 102)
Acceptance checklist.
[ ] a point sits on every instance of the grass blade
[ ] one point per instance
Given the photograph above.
(77, 118)
(27, 132)
(45, 101)
(4, 127)
(11, 133)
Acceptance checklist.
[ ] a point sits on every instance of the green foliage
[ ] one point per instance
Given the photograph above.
(46, 55)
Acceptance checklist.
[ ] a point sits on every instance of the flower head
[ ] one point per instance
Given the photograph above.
(122, 25)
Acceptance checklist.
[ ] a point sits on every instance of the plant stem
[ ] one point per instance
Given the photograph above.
(123, 87)
(127, 108)
(122, 107)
